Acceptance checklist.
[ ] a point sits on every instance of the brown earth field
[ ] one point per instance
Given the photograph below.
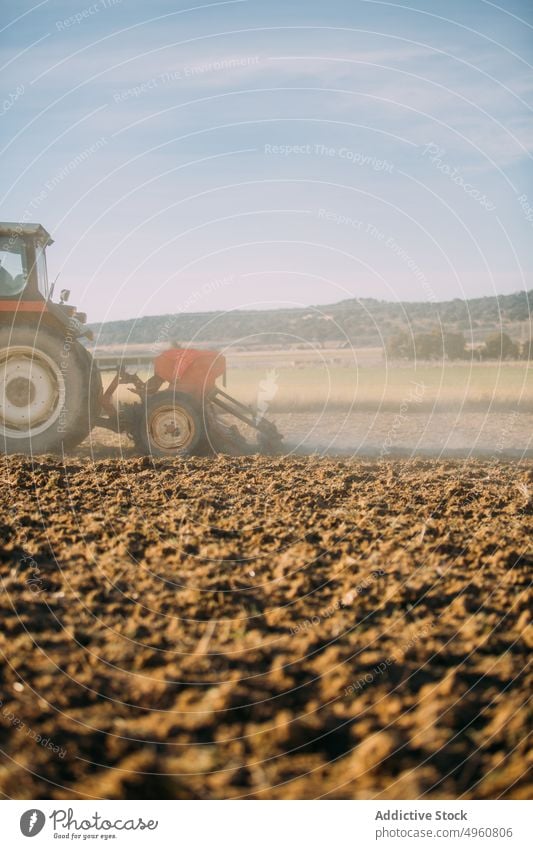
(293, 627)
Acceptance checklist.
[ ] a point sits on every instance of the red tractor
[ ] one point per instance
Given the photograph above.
(51, 392)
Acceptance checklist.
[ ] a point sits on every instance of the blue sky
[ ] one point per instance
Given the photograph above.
(246, 153)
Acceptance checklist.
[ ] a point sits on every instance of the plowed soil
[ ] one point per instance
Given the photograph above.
(265, 628)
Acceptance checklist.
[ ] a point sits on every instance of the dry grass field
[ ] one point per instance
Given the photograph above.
(360, 379)
(480, 386)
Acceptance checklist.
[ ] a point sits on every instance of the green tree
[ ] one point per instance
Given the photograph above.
(428, 346)
(500, 346)
(455, 346)
(400, 346)
(526, 350)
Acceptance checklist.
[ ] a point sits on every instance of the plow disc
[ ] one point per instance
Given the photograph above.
(172, 424)
(269, 439)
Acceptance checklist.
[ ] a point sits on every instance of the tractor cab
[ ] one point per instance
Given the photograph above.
(24, 286)
(23, 261)
(49, 390)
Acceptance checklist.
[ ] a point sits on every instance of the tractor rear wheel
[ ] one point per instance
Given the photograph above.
(47, 391)
(91, 379)
(170, 424)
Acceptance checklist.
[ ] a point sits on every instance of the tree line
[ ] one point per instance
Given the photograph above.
(439, 345)
(356, 321)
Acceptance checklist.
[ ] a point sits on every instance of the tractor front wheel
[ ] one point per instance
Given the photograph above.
(169, 424)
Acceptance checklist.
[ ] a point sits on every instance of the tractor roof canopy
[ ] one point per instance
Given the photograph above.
(10, 228)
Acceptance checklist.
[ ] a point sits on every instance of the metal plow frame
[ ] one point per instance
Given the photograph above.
(121, 420)
(270, 438)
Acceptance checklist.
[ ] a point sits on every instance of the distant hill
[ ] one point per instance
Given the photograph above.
(357, 321)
